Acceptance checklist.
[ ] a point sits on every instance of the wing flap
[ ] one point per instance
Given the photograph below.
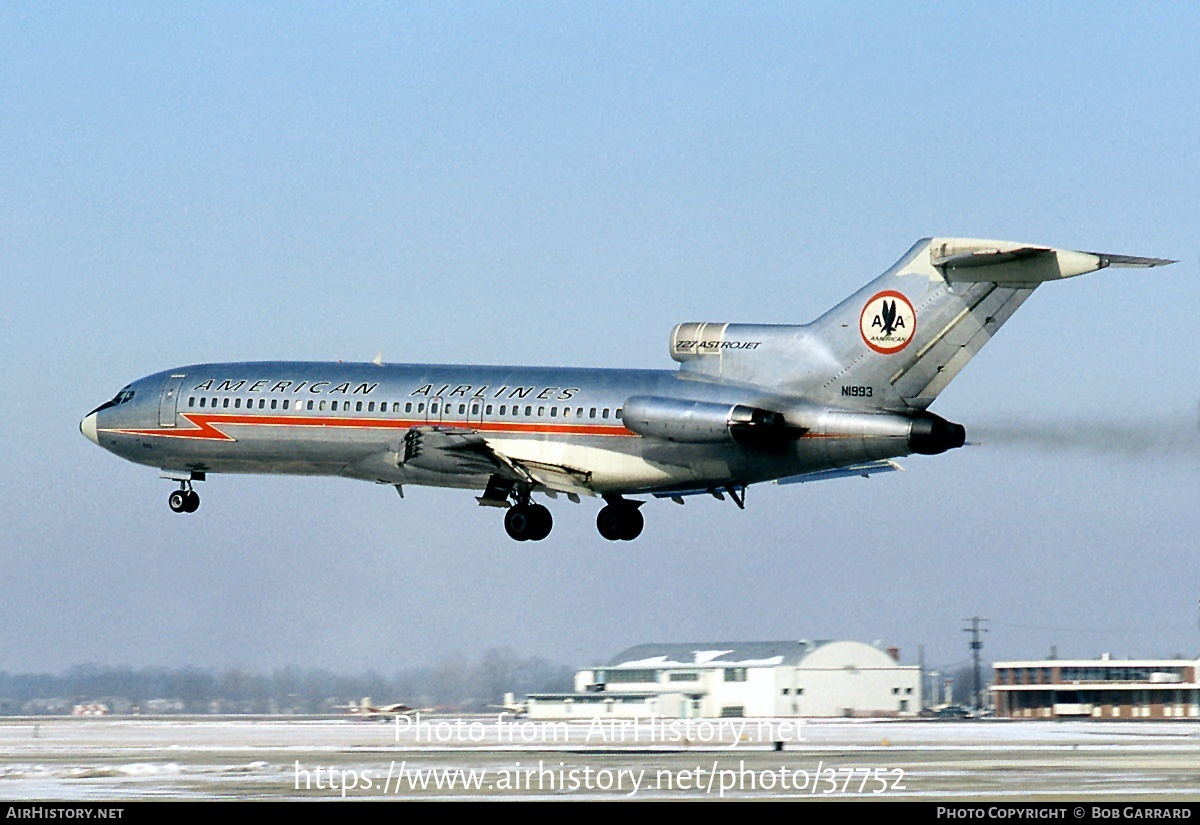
(557, 477)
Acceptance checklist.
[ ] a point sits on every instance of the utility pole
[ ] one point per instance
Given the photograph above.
(921, 659)
(976, 645)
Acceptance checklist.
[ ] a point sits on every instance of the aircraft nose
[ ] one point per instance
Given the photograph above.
(88, 427)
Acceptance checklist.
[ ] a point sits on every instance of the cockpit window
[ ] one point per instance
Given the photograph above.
(120, 398)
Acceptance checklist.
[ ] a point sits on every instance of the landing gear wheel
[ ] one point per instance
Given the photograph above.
(528, 522)
(178, 501)
(192, 503)
(541, 520)
(631, 524)
(620, 522)
(608, 522)
(518, 523)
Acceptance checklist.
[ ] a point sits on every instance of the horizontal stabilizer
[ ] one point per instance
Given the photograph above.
(865, 469)
(1013, 264)
(1130, 261)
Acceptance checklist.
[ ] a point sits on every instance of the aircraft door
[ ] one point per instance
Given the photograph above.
(475, 413)
(435, 411)
(168, 401)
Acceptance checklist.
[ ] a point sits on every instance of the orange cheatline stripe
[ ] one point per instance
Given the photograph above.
(207, 427)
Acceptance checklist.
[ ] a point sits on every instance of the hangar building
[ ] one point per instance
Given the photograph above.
(763, 679)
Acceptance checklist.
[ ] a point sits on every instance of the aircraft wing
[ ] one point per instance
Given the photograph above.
(865, 469)
(471, 453)
(557, 477)
(448, 451)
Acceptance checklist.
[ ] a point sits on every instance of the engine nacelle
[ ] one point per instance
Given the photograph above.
(701, 422)
(923, 433)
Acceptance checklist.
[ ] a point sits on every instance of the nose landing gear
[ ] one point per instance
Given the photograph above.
(185, 499)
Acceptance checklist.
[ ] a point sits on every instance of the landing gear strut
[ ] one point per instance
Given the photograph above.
(526, 521)
(620, 520)
(185, 499)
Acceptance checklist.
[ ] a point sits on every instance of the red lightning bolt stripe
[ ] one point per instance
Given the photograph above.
(208, 427)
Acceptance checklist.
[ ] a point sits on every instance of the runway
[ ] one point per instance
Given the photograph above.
(471, 757)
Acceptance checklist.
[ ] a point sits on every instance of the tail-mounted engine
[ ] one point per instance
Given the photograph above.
(704, 422)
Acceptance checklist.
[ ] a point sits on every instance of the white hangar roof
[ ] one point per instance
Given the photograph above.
(819, 653)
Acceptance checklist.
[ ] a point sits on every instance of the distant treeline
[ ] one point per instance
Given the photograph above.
(454, 683)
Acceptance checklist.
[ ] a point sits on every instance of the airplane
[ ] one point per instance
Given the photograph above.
(841, 396)
(368, 711)
(511, 705)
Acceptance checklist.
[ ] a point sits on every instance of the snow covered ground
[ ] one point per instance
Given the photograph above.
(485, 756)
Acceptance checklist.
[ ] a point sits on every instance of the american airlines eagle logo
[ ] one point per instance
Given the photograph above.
(888, 322)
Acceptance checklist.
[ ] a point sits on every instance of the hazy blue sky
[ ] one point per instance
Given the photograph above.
(560, 184)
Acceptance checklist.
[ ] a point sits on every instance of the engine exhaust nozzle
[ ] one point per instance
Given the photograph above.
(931, 434)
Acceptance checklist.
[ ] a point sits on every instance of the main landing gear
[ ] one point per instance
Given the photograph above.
(620, 520)
(526, 521)
(185, 499)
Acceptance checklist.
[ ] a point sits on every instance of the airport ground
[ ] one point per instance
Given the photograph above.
(115, 758)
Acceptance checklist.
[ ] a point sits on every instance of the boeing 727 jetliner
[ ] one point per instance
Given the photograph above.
(841, 396)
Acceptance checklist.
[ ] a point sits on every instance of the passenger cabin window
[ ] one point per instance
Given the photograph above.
(554, 412)
(541, 411)
(604, 414)
(407, 407)
(503, 409)
(237, 403)
(528, 412)
(285, 403)
(488, 411)
(273, 403)
(592, 414)
(192, 401)
(310, 405)
(322, 405)
(358, 407)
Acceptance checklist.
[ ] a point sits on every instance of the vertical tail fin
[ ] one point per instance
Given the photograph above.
(897, 342)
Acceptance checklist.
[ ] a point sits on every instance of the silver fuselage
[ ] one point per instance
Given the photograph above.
(336, 419)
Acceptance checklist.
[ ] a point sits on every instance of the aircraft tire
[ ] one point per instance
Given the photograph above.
(632, 523)
(609, 522)
(192, 504)
(541, 522)
(518, 521)
(177, 501)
